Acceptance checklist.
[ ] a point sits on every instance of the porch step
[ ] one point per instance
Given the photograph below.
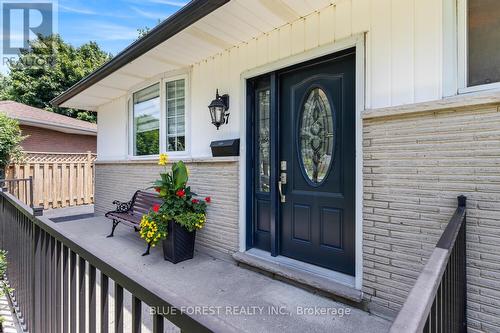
(300, 276)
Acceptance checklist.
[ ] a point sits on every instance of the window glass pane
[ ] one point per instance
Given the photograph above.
(176, 143)
(263, 163)
(146, 110)
(483, 42)
(316, 136)
(176, 115)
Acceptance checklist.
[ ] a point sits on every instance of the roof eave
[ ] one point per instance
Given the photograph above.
(189, 14)
(57, 127)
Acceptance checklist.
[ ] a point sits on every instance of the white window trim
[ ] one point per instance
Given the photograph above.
(462, 54)
(187, 115)
(161, 80)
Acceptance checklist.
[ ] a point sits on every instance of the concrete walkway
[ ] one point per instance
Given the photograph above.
(243, 300)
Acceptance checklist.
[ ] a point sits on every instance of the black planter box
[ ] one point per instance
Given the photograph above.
(179, 244)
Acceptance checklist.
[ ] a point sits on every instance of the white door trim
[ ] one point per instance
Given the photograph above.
(357, 41)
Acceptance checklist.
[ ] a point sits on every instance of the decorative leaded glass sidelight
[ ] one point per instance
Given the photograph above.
(316, 136)
(263, 140)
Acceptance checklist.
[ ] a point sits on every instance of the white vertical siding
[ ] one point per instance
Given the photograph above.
(343, 19)
(360, 13)
(327, 25)
(311, 35)
(403, 59)
(297, 36)
(112, 130)
(403, 51)
(379, 65)
(428, 50)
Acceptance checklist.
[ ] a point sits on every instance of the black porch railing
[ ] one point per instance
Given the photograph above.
(48, 272)
(20, 188)
(437, 302)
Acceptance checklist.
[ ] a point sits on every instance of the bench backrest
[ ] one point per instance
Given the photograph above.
(144, 201)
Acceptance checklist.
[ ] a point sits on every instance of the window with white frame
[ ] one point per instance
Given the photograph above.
(175, 112)
(146, 121)
(482, 36)
(158, 118)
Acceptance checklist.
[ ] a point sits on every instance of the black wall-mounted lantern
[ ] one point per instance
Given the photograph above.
(218, 109)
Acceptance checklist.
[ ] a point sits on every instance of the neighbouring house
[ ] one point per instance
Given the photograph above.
(51, 132)
(360, 122)
(59, 155)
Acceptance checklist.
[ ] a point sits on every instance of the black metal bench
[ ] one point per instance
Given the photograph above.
(131, 212)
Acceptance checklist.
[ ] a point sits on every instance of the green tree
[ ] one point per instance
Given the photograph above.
(49, 67)
(141, 32)
(10, 140)
(4, 84)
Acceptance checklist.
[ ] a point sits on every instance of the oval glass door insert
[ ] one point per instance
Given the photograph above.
(316, 136)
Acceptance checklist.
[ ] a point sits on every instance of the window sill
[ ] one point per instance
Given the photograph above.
(154, 160)
(480, 88)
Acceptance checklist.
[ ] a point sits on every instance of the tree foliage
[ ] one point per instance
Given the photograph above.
(10, 140)
(141, 32)
(46, 69)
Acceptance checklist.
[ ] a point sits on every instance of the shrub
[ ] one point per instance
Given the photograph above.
(10, 140)
(3, 263)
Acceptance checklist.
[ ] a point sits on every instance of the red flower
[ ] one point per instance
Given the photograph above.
(157, 189)
(180, 193)
(195, 201)
(208, 199)
(156, 208)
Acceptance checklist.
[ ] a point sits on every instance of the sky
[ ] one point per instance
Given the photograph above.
(112, 24)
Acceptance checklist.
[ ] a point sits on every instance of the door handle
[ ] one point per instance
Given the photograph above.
(282, 197)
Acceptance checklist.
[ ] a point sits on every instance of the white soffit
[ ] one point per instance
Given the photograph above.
(233, 24)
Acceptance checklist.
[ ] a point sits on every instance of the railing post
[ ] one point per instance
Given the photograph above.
(37, 211)
(462, 201)
(31, 191)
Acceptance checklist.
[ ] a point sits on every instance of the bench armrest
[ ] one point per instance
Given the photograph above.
(122, 207)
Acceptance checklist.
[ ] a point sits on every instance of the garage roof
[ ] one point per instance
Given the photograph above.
(28, 115)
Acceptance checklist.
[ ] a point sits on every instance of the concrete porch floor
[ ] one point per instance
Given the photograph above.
(207, 281)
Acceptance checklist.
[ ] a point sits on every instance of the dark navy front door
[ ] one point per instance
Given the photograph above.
(304, 162)
(317, 143)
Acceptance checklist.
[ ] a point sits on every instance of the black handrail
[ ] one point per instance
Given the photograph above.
(438, 300)
(449, 235)
(38, 253)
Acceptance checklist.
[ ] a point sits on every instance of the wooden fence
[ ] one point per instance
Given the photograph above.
(59, 179)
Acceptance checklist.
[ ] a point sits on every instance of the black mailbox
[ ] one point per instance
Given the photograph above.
(225, 148)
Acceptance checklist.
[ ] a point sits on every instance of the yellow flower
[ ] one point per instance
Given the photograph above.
(163, 159)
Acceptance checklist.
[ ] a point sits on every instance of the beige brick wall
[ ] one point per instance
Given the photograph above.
(414, 168)
(118, 181)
